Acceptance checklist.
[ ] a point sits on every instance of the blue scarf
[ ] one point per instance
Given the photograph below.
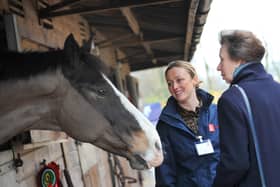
(240, 67)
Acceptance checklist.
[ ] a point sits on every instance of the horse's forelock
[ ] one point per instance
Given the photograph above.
(97, 64)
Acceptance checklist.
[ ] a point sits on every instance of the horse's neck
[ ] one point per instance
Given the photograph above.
(30, 104)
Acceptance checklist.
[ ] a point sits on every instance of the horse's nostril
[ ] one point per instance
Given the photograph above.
(157, 145)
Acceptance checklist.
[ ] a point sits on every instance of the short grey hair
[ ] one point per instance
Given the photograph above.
(242, 45)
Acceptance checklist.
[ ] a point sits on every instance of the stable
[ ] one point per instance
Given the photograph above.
(126, 36)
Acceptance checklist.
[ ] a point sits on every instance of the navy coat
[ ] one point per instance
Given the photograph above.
(182, 167)
(238, 165)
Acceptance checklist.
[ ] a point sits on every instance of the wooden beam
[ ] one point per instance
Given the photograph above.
(138, 55)
(164, 40)
(122, 43)
(126, 58)
(111, 40)
(4, 5)
(150, 52)
(132, 22)
(59, 5)
(190, 26)
(135, 66)
(93, 9)
(118, 42)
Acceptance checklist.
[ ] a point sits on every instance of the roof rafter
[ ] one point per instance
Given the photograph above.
(133, 23)
(190, 27)
(53, 10)
(134, 42)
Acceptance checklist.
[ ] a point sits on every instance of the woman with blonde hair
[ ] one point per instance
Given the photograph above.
(188, 128)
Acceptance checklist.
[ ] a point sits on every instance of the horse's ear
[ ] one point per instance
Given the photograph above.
(71, 49)
(70, 45)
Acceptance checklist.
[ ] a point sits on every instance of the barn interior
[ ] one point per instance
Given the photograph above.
(128, 35)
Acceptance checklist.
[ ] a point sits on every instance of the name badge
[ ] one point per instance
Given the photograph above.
(204, 147)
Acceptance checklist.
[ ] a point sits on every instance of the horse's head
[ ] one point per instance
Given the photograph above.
(94, 111)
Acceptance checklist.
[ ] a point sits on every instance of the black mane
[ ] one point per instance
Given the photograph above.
(16, 65)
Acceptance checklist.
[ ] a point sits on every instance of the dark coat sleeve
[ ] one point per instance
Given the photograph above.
(234, 161)
(166, 172)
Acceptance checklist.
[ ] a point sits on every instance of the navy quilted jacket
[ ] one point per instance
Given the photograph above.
(238, 166)
(182, 167)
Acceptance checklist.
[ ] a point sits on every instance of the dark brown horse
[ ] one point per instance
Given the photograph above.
(67, 90)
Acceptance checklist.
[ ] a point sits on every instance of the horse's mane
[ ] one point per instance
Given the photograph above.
(16, 65)
(22, 65)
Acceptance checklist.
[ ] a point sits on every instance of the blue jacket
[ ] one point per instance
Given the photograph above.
(238, 165)
(182, 167)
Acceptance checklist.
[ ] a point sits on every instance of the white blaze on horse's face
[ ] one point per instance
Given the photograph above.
(151, 150)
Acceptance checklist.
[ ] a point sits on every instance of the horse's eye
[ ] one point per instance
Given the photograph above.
(101, 91)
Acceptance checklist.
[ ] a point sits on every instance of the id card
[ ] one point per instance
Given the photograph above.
(204, 147)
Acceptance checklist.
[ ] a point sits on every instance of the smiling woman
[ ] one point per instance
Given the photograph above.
(188, 130)
(67, 90)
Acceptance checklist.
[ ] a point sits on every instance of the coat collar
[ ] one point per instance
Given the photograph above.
(203, 95)
(252, 71)
(172, 117)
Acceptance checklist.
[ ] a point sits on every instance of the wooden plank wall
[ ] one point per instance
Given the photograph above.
(88, 165)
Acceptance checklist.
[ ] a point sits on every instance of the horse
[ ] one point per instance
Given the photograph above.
(69, 90)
